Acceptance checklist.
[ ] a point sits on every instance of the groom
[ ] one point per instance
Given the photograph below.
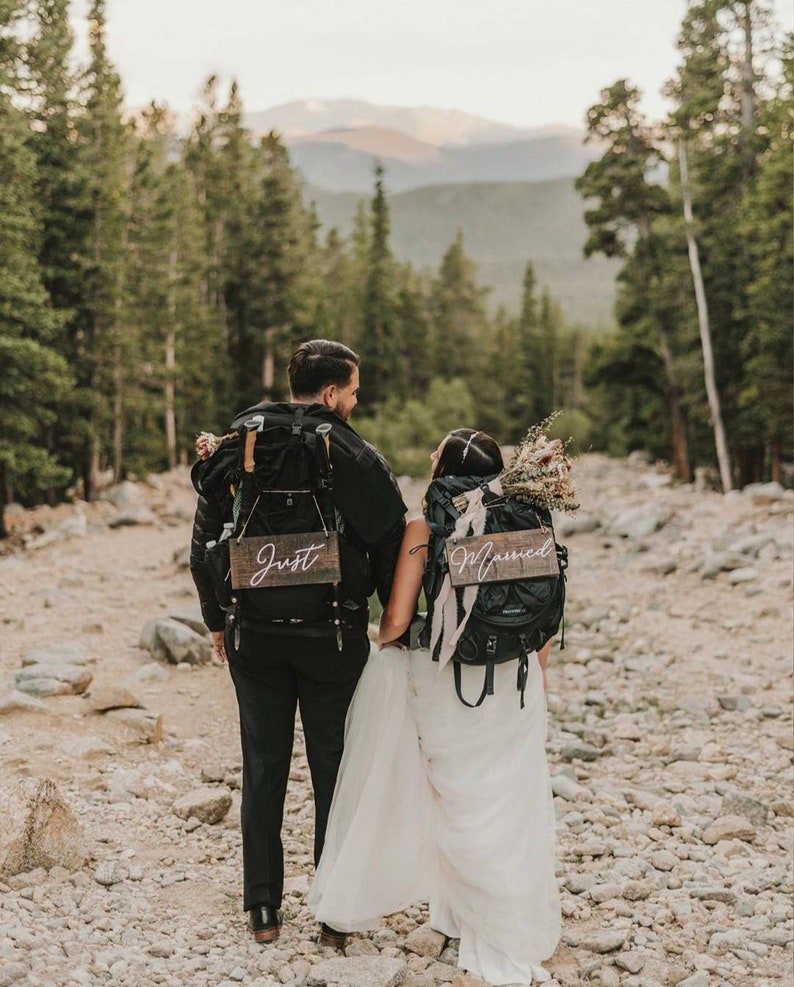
(283, 665)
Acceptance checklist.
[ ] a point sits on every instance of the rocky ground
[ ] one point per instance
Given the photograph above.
(670, 741)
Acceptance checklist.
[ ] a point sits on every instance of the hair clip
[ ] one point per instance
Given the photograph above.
(471, 439)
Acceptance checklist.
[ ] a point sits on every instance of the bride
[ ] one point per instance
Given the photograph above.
(439, 802)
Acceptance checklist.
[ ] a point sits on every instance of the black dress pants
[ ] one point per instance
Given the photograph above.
(273, 675)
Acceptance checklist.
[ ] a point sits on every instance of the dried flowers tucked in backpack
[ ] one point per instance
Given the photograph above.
(207, 443)
(539, 471)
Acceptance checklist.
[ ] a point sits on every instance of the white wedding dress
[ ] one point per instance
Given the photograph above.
(441, 803)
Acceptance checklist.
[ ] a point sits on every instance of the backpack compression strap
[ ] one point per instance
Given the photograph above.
(487, 689)
(483, 694)
(320, 438)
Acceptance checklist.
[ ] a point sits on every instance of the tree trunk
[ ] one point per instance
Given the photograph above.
(748, 89)
(4, 499)
(118, 352)
(664, 335)
(680, 444)
(776, 456)
(723, 457)
(269, 364)
(95, 462)
(219, 292)
(118, 413)
(170, 363)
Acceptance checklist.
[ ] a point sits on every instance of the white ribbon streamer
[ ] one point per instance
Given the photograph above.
(445, 612)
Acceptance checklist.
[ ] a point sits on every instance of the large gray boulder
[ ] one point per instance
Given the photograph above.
(565, 525)
(37, 829)
(18, 702)
(425, 941)
(131, 516)
(142, 726)
(637, 522)
(52, 679)
(764, 493)
(172, 641)
(208, 805)
(109, 697)
(715, 562)
(358, 971)
(68, 652)
(125, 494)
(192, 618)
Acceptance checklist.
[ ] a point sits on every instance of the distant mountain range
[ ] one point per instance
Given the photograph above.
(336, 145)
(509, 189)
(423, 123)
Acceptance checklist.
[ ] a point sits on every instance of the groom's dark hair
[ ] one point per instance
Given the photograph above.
(318, 363)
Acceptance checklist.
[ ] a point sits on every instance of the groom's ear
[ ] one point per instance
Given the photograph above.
(329, 396)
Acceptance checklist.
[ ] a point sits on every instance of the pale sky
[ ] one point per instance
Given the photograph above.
(525, 62)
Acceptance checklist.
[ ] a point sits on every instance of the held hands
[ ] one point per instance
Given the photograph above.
(219, 647)
(393, 644)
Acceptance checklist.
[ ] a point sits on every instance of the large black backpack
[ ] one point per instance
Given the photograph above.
(510, 619)
(276, 476)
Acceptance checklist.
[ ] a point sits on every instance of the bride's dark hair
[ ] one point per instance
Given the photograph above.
(468, 452)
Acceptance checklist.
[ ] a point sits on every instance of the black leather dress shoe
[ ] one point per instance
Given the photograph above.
(264, 921)
(332, 937)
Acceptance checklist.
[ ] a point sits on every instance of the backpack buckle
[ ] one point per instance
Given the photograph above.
(490, 646)
(297, 421)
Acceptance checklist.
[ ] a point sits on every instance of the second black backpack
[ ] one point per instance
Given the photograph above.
(510, 619)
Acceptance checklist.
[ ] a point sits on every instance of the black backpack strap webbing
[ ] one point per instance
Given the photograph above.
(483, 694)
(320, 441)
(523, 673)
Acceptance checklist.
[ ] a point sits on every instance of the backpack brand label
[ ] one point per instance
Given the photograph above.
(285, 560)
(501, 557)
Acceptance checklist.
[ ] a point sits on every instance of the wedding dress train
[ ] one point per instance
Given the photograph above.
(441, 803)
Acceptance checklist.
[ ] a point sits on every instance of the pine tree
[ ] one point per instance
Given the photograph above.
(413, 321)
(532, 378)
(287, 282)
(63, 197)
(34, 376)
(101, 357)
(337, 315)
(237, 202)
(178, 375)
(715, 122)
(625, 222)
(766, 229)
(501, 392)
(379, 346)
(201, 155)
(459, 318)
(551, 326)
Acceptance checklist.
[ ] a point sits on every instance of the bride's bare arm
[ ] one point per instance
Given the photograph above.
(407, 584)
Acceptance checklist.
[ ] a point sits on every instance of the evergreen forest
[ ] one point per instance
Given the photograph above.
(153, 282)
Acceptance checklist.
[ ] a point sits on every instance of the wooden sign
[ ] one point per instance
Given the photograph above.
(507, 555)
(285, 560)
